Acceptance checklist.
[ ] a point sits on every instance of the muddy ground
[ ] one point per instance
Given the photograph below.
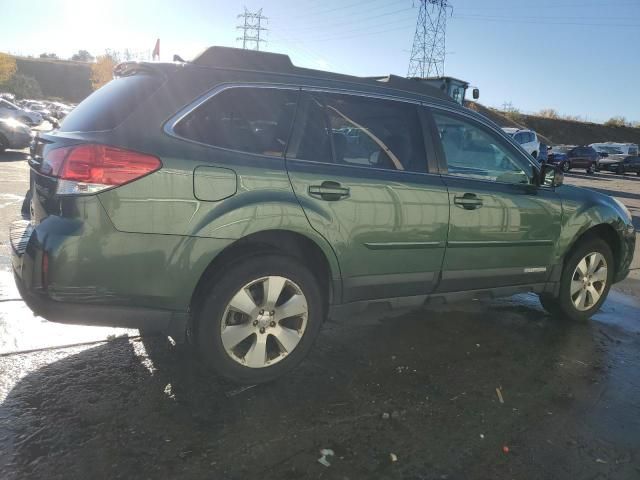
(132, 407)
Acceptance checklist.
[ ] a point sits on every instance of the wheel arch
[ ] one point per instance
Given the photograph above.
(320, 258)
(606, 232)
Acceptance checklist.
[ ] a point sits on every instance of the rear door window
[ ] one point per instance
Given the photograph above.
(252, 120)
(364, 132)
(108, 106)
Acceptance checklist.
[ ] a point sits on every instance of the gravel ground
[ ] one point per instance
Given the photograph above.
(420, 388)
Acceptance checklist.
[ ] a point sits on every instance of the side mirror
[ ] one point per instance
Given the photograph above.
(552, 175)
(476, 93)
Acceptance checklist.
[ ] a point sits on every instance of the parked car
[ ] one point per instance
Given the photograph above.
(568, 157)
(615, 148)
(164, 201)
(621, 164)
(605, 150)
(527, 138)
(13, 134)
(10, 110)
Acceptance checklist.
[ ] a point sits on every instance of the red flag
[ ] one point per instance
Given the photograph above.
(156, 50)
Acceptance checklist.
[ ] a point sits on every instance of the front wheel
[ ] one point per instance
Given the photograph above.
(259, 319)
(565, 167)
(585, 281)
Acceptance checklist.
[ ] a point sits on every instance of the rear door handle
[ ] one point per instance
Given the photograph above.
(468, 201)
(329, 191)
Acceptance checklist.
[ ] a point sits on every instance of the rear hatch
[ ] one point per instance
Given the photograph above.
(79, 159)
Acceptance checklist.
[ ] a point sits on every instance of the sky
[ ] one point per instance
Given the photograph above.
(579, 57)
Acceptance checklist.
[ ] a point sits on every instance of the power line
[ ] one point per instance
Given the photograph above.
(251, 28)
(428, 51)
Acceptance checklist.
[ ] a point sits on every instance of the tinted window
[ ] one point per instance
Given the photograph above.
(532, 137)
(254, 120)
(108, 106)
(364, 132)
(475, 152)
(519, 137)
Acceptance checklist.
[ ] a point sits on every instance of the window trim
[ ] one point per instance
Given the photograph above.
(424, 106)
(442, 161)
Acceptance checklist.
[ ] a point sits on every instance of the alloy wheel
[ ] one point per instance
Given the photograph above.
(565, 167)
(588, 281)
(264, 321)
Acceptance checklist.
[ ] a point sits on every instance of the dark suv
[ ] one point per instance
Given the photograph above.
(243, 200)
(574, 157)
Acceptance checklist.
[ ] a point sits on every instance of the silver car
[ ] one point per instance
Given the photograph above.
(13, 134)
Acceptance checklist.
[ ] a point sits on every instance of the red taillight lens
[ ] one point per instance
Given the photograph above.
(96, 167)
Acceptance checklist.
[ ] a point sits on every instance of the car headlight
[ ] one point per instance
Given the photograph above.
(624, 208)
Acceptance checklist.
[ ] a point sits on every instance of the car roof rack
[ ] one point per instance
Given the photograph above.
(237, 58)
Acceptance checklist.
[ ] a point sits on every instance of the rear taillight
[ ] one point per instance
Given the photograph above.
(90, 168)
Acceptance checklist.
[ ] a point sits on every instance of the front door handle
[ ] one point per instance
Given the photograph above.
(468, 201)
(329, 191)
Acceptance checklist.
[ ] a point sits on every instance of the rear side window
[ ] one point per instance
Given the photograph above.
(108, 106)
(253, 120)
(364, 132)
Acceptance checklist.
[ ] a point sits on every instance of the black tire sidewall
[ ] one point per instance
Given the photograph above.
(210, 316)
(581, 250)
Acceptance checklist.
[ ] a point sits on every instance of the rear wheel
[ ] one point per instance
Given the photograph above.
(260, 319)
(591, 169)
(565, 167)
(620, 170)
(585, 281)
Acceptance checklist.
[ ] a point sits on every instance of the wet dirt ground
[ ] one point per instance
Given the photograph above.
(421, 386)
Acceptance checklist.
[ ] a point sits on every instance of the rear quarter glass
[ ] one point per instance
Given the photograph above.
(110, 105)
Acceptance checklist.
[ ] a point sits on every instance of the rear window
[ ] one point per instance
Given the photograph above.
(108, 106)
(252, 120)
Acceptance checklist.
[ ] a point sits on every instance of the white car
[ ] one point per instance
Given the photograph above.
(618, 148)
(9, 110)
(526, 138)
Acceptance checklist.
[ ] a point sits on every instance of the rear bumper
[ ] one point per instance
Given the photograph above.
(173, 323)
(74, 304)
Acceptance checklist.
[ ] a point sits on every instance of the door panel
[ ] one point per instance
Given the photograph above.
(502, 228)
(508, 240)
(389, 233)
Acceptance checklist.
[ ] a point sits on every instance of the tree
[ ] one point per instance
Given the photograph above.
(48, 55)
(23, 86)
(82, 56)
(102, 71)
(548, 113)
(616, 122)
(7, 67)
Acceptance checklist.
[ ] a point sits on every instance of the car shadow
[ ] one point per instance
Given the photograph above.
(422, 385)
(14, 156)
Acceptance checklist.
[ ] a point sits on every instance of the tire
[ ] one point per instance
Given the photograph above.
(638, 173)
(564, 305)
(620, 170)
(591, 169)
(565, 167)
(244, 284)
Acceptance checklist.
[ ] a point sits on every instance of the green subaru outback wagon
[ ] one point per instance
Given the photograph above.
(243, 200)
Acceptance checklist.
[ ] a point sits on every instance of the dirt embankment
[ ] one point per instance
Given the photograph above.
(557, 131)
